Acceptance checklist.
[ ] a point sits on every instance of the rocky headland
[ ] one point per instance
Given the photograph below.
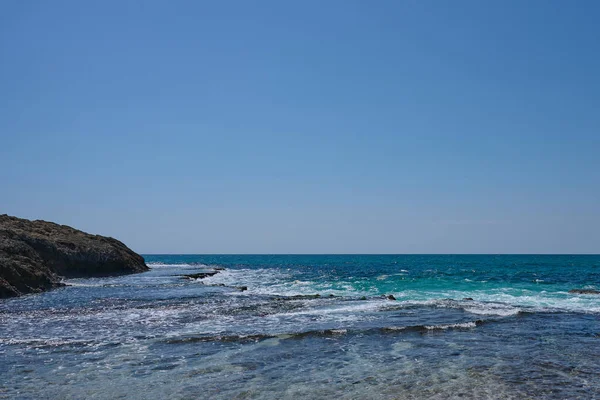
(36, 255)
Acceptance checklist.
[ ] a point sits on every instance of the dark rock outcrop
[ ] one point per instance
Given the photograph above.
(584, 291)
(34, 255)
(200, 275)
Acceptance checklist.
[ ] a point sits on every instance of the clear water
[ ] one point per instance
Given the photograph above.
(158, 335)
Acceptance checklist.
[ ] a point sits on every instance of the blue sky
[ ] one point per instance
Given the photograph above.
(305, 127)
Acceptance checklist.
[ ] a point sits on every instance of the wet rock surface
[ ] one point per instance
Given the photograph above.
(584, 291)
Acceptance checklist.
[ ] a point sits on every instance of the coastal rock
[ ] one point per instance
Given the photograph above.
(200, 275)
(299, 297)
(390, 297)
(584, 291)
(35, 255)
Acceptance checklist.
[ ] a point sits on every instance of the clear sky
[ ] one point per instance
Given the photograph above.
(305, 126)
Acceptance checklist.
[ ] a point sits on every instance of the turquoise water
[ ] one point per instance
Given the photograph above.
(312, 327)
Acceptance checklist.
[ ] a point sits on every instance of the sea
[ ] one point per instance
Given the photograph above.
(312, 327)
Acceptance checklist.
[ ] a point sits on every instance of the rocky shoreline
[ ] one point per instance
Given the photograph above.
(36, 255)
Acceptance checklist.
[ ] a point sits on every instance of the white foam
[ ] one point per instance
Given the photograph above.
(492, 309)
(504, 301)
(463, 325)
(275, 282)
(491, 301)
(74, 283)
(36, 342)
(540, 301)
(181, 265)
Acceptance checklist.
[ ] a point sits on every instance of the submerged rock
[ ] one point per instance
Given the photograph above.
(299, 297)
(35, 255)
(584, 291)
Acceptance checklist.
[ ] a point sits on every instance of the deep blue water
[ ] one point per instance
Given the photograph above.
(159, 335)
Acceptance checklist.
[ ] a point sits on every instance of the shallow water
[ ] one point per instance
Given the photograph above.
(158, 335)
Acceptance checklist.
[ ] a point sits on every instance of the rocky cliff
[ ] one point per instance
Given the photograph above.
(35, 255)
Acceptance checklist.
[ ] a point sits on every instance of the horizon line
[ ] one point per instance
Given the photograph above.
(370, 254)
